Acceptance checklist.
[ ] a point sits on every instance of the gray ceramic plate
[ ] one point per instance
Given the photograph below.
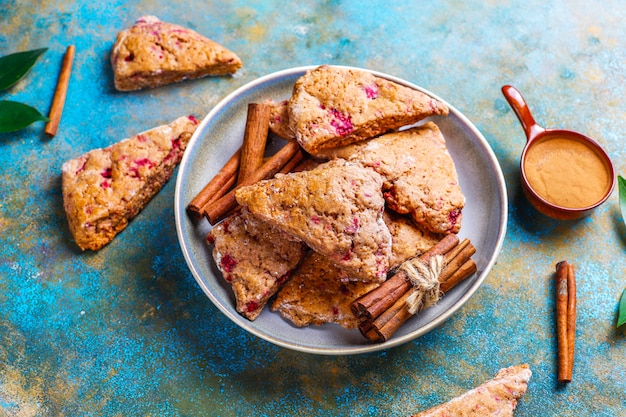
(219, 136)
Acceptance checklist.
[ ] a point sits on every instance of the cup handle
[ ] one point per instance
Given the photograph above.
(522, 111)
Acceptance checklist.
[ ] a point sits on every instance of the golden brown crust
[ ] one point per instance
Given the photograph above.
(105, 188)
(336, 209)
(319, 292)
(153, 53)
(420, 175)
(496, 397)
(254, 258)
(333, 106)
(407, 239)
(279, 119)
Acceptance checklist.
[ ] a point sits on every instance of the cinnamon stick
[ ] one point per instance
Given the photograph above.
(464, 271)
(218, 209)
(217, 187)
(390, 321)
(58, 101)
(571, 317)
(254, 139)
(456, 258)
(374, 303)
(293, 162)
(367, 329)
(565, 319)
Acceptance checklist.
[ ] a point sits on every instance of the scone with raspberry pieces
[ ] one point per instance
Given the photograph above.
(335, 106)
(153, 53)
(497, 397)
(336, 209)
(255, 258)
(105, 188)
(420, 176)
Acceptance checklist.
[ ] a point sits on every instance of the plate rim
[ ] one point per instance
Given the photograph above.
(180, 212)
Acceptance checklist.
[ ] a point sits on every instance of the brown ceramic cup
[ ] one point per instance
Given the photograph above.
(536, 135)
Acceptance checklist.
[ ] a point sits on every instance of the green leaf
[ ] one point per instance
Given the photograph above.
(15, 116)
(14, 66)
(621, 182)
(621, 317)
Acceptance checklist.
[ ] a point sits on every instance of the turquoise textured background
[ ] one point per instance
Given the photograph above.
(126, 331)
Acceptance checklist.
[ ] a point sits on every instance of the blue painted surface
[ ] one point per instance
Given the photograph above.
(127, 331)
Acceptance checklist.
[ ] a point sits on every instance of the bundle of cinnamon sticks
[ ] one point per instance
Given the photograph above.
(246, 166)
(383, 310)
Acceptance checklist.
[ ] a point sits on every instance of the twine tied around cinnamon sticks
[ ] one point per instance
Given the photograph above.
(425, 280)
(382, 311)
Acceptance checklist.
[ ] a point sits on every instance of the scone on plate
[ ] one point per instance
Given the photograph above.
(255, 258)
(319, 292)
(153, 53)
(335, 106)
(336, 209)
(420, 175)
(496, 397)
(105, 188)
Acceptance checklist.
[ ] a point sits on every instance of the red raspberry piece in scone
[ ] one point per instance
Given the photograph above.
(105, 188)
(334, 106)
(420, 175)
(497, 397)
(153, 53)
(336, 209)
(255, 258)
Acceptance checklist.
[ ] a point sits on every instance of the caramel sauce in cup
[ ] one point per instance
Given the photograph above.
(565, 174)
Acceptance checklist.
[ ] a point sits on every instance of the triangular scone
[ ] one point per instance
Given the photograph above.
(319, 292)
(153, 53)
(336, 209)
(105, 188)
(496, 397)
(254, 258)
(420, 175)
(335, 106)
